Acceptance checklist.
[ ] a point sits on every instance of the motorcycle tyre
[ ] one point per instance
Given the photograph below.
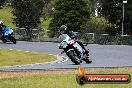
(3, 40)
(73, 59)
(13, 40)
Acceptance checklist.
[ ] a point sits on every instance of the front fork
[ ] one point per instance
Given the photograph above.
(81, 51)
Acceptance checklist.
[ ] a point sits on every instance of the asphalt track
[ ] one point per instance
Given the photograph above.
(102, 56)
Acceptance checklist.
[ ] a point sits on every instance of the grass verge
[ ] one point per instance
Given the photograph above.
(58, 79)
(13, 57)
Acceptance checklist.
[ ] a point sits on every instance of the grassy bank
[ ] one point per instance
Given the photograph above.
(13, 57)
(60, 79)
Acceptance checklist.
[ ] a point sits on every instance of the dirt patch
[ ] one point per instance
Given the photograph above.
(5, 74)
(31, 73)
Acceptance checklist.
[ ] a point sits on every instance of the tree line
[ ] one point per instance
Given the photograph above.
(99, 16)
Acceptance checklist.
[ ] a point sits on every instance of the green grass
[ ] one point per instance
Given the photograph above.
(67, 80)
(12, 57)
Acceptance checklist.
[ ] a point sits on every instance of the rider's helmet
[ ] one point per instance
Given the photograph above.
(1, 23)
(63, 29)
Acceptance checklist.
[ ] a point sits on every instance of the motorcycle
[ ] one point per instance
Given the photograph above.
(73, 50)
(7, 35)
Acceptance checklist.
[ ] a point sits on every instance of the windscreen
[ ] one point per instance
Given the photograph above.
(63, 37)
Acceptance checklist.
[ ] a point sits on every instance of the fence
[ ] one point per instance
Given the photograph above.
(106, 39)
(37, 35)
(90, 38)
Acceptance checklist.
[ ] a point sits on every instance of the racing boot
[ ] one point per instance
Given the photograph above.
(87, 59)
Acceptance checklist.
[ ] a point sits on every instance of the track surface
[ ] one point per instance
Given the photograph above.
(102, 55)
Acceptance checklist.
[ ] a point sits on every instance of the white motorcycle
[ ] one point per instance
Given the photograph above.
(72, 49)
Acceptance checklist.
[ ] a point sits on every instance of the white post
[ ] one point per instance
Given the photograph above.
(122, 33)
(124, 2)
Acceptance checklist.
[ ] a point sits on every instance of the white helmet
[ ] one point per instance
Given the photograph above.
(1, 22)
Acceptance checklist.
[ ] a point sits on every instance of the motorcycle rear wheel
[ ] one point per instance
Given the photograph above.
(13, 40)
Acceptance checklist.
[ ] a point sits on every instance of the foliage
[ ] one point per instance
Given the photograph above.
(27, 13)
(95, 25)
(48, 9)
(112, 10)
(45, 23)
(2, 3)
(128, 17)
(92, 4)
(95, 5)
(6, 16)
(72, 13)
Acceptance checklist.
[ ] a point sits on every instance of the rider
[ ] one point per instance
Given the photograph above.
(64, 30)
(2, 26)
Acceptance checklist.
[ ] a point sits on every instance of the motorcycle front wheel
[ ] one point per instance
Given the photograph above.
(74, 57)
(3, 40)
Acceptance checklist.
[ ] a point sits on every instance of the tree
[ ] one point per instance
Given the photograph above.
(48, 9)
(2, 2)
(128, 17)
(112, 11)
(73, 13)
(27, 13)
(95, 5)
(92, 4)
